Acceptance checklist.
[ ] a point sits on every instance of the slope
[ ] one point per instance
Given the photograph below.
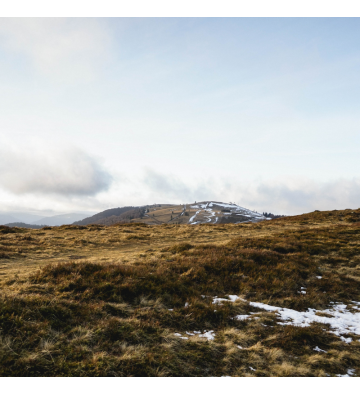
(104, 214)
(273, 298)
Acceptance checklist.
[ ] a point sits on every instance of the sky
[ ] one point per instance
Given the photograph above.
(111, 112)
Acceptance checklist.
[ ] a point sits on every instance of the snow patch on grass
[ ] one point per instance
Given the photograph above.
(181, 337)
(319, 349)
(342, 322)
(350, 373)
(210, 335)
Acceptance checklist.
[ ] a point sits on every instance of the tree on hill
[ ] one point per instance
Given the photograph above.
(273, 216)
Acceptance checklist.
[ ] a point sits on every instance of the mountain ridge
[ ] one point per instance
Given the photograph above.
(209, 211)
(60, 219)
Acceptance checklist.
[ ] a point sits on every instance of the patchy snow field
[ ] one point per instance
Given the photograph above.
(210, 212)
(342, 320)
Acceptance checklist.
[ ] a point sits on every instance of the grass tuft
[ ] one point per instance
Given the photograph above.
(111, 299)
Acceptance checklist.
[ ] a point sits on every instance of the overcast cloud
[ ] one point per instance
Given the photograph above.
(282, 196)
(302, 195)
(70, 173)
(64, 48)
(263, 112)
(171, 187)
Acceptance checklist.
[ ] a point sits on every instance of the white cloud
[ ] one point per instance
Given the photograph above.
(167, 187)
(73, 181)
(295, 195)
(67, 48)
(65, 173)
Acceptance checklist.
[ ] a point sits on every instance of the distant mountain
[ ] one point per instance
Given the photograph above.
(17, 216)
(23, 225)
(5, 218)
(28, 218)
(100, 217)
(58, 220)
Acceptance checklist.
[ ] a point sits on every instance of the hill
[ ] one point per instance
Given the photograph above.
(113, 212)
(6, 218)
(135, 215)
(270, 298)
(196, 213)
(58, 220)
(17, 216)
(23, 225)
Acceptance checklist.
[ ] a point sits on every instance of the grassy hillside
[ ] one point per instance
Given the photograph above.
(113, 212)
(133, 299)
(194, 213)
(155, 214)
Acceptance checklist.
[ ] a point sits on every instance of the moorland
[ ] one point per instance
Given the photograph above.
(133, 299)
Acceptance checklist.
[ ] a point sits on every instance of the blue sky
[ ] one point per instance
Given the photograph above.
(99, 113)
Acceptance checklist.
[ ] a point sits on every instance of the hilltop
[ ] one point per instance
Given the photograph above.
(267, 298)
(58, 220)
(24, 225)
(194, 214)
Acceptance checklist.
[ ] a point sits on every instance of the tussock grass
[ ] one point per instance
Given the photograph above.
(105, 304)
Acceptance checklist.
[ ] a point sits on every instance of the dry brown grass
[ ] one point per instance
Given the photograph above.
(95, 300)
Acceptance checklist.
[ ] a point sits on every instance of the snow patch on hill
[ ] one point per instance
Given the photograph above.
(210, 212)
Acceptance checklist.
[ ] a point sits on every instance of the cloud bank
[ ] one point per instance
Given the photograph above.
(73, 179)
(283, 196)
(64, 173)
(162, 186)
(297, 196)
